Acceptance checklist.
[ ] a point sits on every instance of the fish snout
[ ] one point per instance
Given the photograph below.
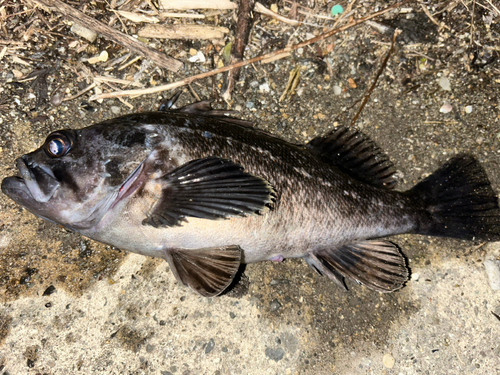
(39, 180)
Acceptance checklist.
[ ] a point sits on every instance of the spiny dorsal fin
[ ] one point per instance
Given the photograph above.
(209, 188)
(376, 264)
(207, 271)
(203, 108)
(356, 155)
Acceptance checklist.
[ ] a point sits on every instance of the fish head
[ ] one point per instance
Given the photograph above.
(77, 175)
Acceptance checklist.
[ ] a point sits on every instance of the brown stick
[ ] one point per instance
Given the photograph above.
(243, 27)
(186, 81)
(374, 83)
(110, 33)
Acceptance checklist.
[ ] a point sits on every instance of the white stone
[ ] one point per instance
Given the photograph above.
(88, 34)
(264, 87)
(388, 361)
(492, 267)
(446, 108)
(444, 82)
(199, 57)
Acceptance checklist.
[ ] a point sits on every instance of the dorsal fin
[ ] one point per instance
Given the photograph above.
(203, 108)
(356, 155)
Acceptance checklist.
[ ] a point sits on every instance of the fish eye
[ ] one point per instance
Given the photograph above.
(58, 144)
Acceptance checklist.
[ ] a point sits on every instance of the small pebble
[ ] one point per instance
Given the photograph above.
(337, 90)
(264, 87)
(50, 290)
(274, 305)
(210, 346)
(468, 109)
(57, 96)
(415, 276)
(446, 108)
(444, 82)
(388, 361)
(88, 34)
(115, 109)
(492, 268)
(199, 57)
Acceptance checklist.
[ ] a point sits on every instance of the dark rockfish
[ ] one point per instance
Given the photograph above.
(208, 193)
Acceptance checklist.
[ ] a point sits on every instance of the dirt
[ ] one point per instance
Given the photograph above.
(128, 315)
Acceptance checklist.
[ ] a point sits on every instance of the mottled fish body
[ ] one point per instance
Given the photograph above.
(208, 193)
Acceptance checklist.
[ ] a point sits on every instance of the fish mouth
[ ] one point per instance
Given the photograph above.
(35, 183)
(15, 188)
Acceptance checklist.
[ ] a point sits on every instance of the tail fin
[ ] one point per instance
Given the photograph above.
(459, 202)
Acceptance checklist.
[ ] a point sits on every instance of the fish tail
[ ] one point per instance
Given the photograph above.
(458, 201)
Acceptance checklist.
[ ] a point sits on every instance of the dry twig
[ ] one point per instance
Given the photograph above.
(243, 27)
(433, 20)
(268, 12)
(374, 83)
(196, 4)
(186, 32)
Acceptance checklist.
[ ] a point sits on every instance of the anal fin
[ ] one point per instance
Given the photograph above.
(376, 264)
(208, 271)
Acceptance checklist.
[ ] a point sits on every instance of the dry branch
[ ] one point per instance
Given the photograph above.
(243, 27)
(267, 56)
(110, 33)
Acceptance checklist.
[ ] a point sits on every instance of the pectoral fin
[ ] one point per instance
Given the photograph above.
(209, 188)
(377, 264)
(207, 271)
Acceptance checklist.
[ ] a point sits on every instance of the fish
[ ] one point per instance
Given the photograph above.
(209, 192)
